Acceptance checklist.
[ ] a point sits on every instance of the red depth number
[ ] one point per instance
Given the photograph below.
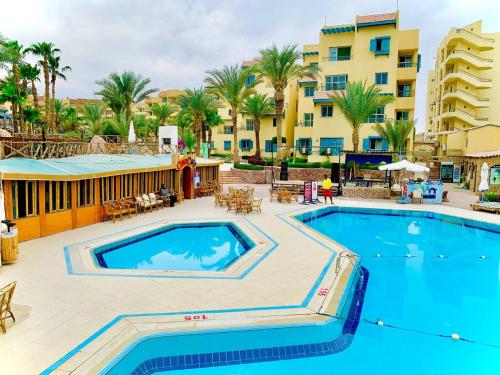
(195, 317)
(323, 292)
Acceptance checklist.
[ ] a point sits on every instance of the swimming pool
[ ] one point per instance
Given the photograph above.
(430, 276)
(177, 247)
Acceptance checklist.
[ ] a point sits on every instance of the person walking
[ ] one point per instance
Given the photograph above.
(327, 188)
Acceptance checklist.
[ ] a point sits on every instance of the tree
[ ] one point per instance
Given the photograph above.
(256, 107)
(93, 114)
(280, 67)
(45, 51)
(32, 117)
(12, 56)
(70, 119)
(162, 112)
(212, 120)
(357, 102)
(233, 86)
(9, 93)
(189, 140)
(31, 73)
(58, 109)
(194, 104)
(120, 124)
(120, 91)
(56, 71)
(395, 133)
(141, 126)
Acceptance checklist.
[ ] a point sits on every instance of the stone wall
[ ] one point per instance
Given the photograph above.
(366, 192)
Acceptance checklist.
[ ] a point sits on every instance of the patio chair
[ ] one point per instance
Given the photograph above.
(155, 199)
(256, 205)
(219, 199)
(153, 204)
(112, 210)
(143, 205)
(417, 196)
(130, 205)
(6, 294)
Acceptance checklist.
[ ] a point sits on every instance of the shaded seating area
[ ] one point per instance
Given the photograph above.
(127, 207)
(206, 189)
(239, 200)
(6, 295)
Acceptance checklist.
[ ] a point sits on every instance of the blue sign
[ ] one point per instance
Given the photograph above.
(432, 191)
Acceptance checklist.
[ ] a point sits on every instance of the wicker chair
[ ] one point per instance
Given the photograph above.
(142, 204)
(112, 210)
(6, 294)
(256, 205)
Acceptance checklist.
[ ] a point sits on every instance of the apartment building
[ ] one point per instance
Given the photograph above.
(372, 49)
(462, 87)
(163, 97)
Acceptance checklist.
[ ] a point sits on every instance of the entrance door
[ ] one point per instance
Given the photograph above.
(447, 172)
(187, 182)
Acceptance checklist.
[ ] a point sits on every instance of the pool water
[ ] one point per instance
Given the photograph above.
(429, 276)
(178, 247)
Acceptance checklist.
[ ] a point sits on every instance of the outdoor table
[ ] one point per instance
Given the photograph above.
(284, 196)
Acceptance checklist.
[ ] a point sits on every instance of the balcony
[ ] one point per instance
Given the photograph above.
(468, 98)
(471, 38)
(471, 79)
(337, 58)
(466, 117)
(470, 58)
(407, 71)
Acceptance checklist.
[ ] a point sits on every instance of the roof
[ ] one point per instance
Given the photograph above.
(473, 128)
(82, 166)
(249, 63)
(322, 96)
(381, 18)
(483, 154)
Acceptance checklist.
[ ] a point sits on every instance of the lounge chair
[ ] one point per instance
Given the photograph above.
(146, 198)
(6, 294)
(486, 206)
(153, 198)
(143, 205)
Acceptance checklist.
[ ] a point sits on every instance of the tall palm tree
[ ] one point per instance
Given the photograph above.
(232, 85)
(194, 104)
(357, 102)
(9, 93)
(93, 114)
(280, 67)
(45, 51)
(56, 71)
(58, 110)
(12, 57)
(32, 116)
(120, 124)
(31, 73)
(212, 120)
(395, 133)
(256, 107)
(120, 91)
(162, 112)
(70, 118)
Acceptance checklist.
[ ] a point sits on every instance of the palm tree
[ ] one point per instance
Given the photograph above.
(256, 107)
(32, 116)
(194, 104)
(212, 120)
(45, 51)
(56, 71)
(189, 140)
(357, 103)
(395, 133)
(93, 114)
(13, 55)
(152, 126)
(141, 125)
(120, 91)
(9, 93)
(280, 67)
(232, 85)
(70, 118)
(162, 112)
(120, 124)
(58, 110)
(31, 73)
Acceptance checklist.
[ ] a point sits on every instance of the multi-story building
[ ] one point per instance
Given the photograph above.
(462, 87)
(222, 137)
(372, 49)
(164, 97)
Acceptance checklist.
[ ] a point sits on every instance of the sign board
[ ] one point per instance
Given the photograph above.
(197, 178)
(457, 173)
(314, 196)
(432, 191)
(307, 192)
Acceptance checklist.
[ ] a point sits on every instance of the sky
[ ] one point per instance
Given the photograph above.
(175, 42)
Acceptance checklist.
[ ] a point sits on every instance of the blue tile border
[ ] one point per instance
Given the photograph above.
(237, 357)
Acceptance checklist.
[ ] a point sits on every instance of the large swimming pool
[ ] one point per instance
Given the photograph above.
(177, 247)
(426, 276)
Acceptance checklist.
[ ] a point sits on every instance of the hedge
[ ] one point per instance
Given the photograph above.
(249, 167)
(492, 197)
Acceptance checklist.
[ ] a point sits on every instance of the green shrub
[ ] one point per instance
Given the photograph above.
(249, 167)
(220, 155)
(491, 196)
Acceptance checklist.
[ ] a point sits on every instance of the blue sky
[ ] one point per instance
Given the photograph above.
(175, 42)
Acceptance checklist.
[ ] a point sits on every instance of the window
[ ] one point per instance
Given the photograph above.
(404, 90)
(107, 189)
(274, 122)
(304, 145)
(126, 186)
(85, 192)
(335, 82)
(24, 199)
(402, 116)
(378, 116)
(250, 79)
(164, 100)
(331, 146)
(246, 144)
(308, 91)
(229, 112)
(326, 110)
(380, 45)
(339, 53)
(57, 196)
(381, 78)
(212, 145)
(270, 146)
(227, 145)
(228, 129)
(308, 119)
(405, 62)
(375, 143)
(250, 124)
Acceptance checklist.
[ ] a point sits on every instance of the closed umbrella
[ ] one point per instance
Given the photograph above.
(483, 185)
(131, 133)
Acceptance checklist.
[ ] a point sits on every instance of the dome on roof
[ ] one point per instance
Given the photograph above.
(4, 133)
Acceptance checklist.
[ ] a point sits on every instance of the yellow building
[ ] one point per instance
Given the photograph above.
(462, 87)
(164, 97)
(372, 49)
(222, 137)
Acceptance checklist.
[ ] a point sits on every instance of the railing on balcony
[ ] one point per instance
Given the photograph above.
(405, 93)
(406, 64)
(337, 58)
(453, 110)
(470, 33)
(468, 74)
(306, 124)
(470, 54)
(454, 90)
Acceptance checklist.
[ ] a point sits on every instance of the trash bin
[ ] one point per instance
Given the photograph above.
(10, 248)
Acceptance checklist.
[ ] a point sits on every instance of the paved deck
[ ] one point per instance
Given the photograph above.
(56, 310)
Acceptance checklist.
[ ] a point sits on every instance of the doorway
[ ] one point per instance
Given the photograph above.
(187, 182)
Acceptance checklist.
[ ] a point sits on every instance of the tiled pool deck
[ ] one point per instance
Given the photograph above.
(57, 310)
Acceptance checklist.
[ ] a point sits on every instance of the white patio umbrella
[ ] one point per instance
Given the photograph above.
(404, 165)
(483, 185)
(131, 133)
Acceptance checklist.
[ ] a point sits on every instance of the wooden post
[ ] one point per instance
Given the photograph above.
(74, 208)
(41, 207)
(97, 199)
(117, 188)
(135, 190)
(7, 196)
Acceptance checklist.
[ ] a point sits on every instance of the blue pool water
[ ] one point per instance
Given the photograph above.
(178, 247)
(422, 300)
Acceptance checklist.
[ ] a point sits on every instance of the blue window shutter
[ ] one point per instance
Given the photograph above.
(385, 145)
(386, 45)
(250, 145)
(419, 62)
(373, 45)
(275, 147)
(297, 143)
(268, 146)
(241, 144)
(309, 142)
(366, 143)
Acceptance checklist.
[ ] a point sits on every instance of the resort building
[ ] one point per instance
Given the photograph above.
(164, 97)
(372, 49)
(462, 87)
(222, 137)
